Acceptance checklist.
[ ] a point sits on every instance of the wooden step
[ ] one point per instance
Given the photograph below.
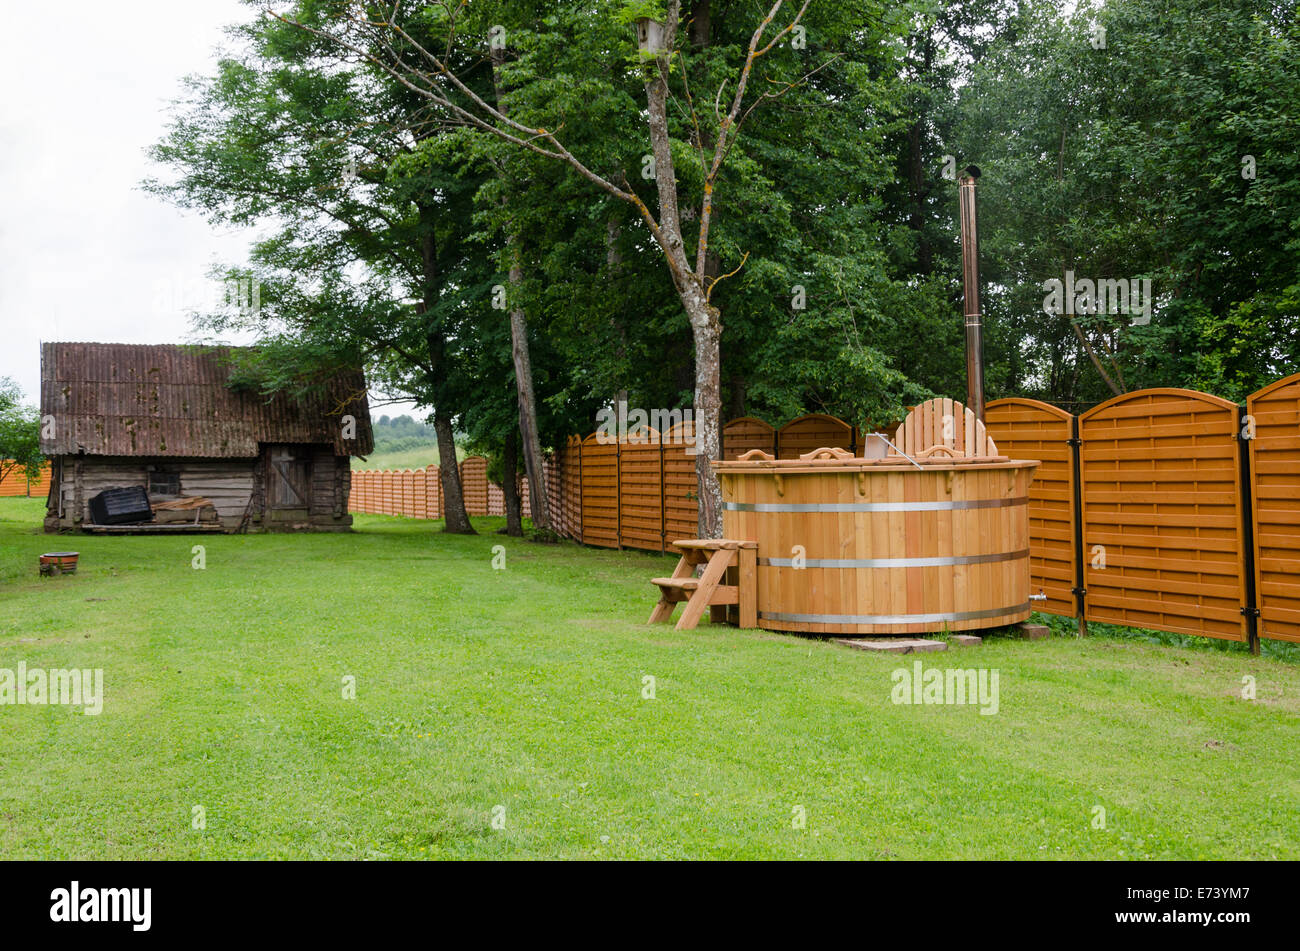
(713, 544)
(689, 584)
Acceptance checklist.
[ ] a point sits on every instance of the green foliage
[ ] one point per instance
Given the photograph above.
(390, 226)
(20, 433)
(402, 434)
(1127, 161)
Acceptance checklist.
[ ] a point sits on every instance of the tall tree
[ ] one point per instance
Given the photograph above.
(369, 262)
(1144, 140)
(20, 433)
(432, 74)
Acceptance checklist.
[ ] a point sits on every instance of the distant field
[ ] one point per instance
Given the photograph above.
(408, 459)
(508, 714)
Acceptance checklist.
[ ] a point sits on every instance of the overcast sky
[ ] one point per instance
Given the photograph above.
(84, 253)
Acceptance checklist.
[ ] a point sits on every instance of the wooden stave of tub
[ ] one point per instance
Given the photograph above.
(988, 586)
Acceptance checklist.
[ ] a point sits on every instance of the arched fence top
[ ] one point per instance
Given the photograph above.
(809, 418)
(1038, 405)
(645, 435)
(680, 432)
(749, 426)
(745, 433)
(813, 431)
(1271, 390)
(1137, 396)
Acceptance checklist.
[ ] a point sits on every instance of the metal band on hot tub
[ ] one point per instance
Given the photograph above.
(890, 618)
(936, 562)
(874, 506)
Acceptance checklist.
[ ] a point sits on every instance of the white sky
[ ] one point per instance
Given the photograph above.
(84, 253)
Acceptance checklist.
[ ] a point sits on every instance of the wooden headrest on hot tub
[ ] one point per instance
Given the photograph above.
(943, 428)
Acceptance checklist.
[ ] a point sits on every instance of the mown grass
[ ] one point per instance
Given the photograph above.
(522, 688)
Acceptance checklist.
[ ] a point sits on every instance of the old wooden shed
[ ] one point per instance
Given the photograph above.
(166, 418)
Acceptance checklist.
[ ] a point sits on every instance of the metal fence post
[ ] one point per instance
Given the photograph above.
(1250, 611)
(1079, 591)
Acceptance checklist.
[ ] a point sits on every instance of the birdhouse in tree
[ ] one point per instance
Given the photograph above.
(649, 35)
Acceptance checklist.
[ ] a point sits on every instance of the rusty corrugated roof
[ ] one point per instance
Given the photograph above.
(116, 399)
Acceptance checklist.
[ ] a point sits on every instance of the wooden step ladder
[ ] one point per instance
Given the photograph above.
(720, 557)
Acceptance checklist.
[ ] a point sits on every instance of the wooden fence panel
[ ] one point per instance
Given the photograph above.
(1028, 429)
(419, 493)
(741, 435)
(813, 432)
(433, 491)
(599, 461)
(474, 485)
(355, 482)
(640, 492)
(571, 474)
(1275, 505)
(555, 492)
(16, 483)
(1161, 486)
(681, 503)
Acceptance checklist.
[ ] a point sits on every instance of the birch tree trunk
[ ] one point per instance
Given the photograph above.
(705, 320)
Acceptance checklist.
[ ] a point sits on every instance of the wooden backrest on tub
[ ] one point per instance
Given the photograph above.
(943, 423)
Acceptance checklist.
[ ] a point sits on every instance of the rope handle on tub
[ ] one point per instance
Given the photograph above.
(948, 451)
(826, 452)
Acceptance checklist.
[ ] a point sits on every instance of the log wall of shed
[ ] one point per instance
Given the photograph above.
(230, 484)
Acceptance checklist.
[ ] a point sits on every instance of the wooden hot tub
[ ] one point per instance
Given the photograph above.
(926, 542)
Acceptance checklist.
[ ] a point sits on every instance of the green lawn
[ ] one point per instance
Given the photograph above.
(522, 688)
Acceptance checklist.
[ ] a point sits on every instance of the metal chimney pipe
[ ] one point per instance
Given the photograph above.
(970, 280)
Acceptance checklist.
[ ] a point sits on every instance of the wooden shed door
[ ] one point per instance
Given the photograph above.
(288, 477)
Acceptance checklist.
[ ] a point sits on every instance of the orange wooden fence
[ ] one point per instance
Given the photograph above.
(1274, 424)
(16, 482)
(1166, 509)
(417, 493)
(813, 432)
(1028, 429)
(1162, 513)
(681, 503)
(598, 464)
(640, 492)
(741, 435)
